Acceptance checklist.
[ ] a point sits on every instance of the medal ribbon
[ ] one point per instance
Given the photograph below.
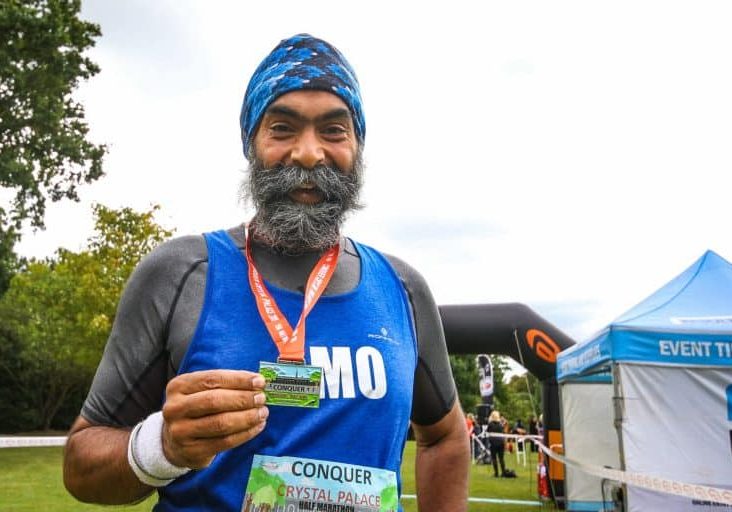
(290, 342)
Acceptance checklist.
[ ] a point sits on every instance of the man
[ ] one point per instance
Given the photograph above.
(202, 319)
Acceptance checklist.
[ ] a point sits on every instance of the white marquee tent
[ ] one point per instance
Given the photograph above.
(652, 394)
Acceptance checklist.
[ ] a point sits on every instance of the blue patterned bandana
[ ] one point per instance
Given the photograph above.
(300, 62)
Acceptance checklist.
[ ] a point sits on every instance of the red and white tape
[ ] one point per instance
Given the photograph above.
(654, 483)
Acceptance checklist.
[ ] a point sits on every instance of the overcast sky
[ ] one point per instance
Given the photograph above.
(572, 156)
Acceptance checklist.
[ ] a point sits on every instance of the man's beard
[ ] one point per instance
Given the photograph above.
(295, 228)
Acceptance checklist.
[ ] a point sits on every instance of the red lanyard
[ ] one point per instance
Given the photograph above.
(290, 342)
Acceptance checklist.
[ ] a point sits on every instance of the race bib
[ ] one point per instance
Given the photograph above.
(293, 484)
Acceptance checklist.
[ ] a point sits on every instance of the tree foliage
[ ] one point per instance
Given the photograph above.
(58, 312)
(523, 398)
(465, 373)
(510, 396)
(8, 261)
(44, 151)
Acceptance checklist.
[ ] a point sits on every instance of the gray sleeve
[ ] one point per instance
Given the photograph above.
(150, 333)
(434, 386)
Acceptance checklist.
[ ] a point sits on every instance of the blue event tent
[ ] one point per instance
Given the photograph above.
(652, 393)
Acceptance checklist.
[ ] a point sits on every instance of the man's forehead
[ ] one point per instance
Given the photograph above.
(310, 105)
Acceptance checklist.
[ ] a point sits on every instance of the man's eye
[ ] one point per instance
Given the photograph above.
(335, 130)
(280, 128)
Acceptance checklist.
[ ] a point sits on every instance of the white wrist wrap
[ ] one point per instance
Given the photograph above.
(145, 453)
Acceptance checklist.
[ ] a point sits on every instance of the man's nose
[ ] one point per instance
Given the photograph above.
(308, 150)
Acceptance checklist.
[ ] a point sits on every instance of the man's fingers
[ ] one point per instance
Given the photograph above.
(212, 401)
(194, 382)
(199, 453)
(209, 411)
(232, 441)
(217, 425)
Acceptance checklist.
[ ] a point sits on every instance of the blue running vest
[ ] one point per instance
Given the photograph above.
(364, 339)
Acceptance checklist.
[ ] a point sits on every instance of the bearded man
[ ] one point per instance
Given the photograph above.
(276, 365)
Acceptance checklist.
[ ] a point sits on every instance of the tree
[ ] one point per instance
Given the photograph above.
(44, 151)
(465, 373)
(16, 413)
(8, 261)
(511, 398)
(59, 311)
(523, 397)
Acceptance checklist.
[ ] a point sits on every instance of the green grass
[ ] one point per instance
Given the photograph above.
(484, 485)
(30, 480)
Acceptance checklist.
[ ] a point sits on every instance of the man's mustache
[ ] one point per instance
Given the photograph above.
(279, 181)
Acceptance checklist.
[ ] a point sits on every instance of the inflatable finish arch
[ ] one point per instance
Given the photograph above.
(514, 330)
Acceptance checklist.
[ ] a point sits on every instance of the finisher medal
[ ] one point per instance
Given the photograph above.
(289, 381)
(291, 384)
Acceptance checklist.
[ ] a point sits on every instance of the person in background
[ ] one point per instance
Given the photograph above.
(470, 423)
(519, 430)
(533, 431)
(473, 430)
(497, 443)
(507, 430)
(540, 425)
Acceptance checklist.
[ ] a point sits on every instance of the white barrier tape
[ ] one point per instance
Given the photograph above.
(510, 436)
(28, 441)
(497, 501)
(654, 483)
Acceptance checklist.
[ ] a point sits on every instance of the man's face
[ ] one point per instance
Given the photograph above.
(306, 171)
(307, 128)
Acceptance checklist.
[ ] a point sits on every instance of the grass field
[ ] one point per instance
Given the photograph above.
(30, 480)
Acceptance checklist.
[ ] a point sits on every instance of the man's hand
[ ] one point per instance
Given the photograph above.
(211, 411)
